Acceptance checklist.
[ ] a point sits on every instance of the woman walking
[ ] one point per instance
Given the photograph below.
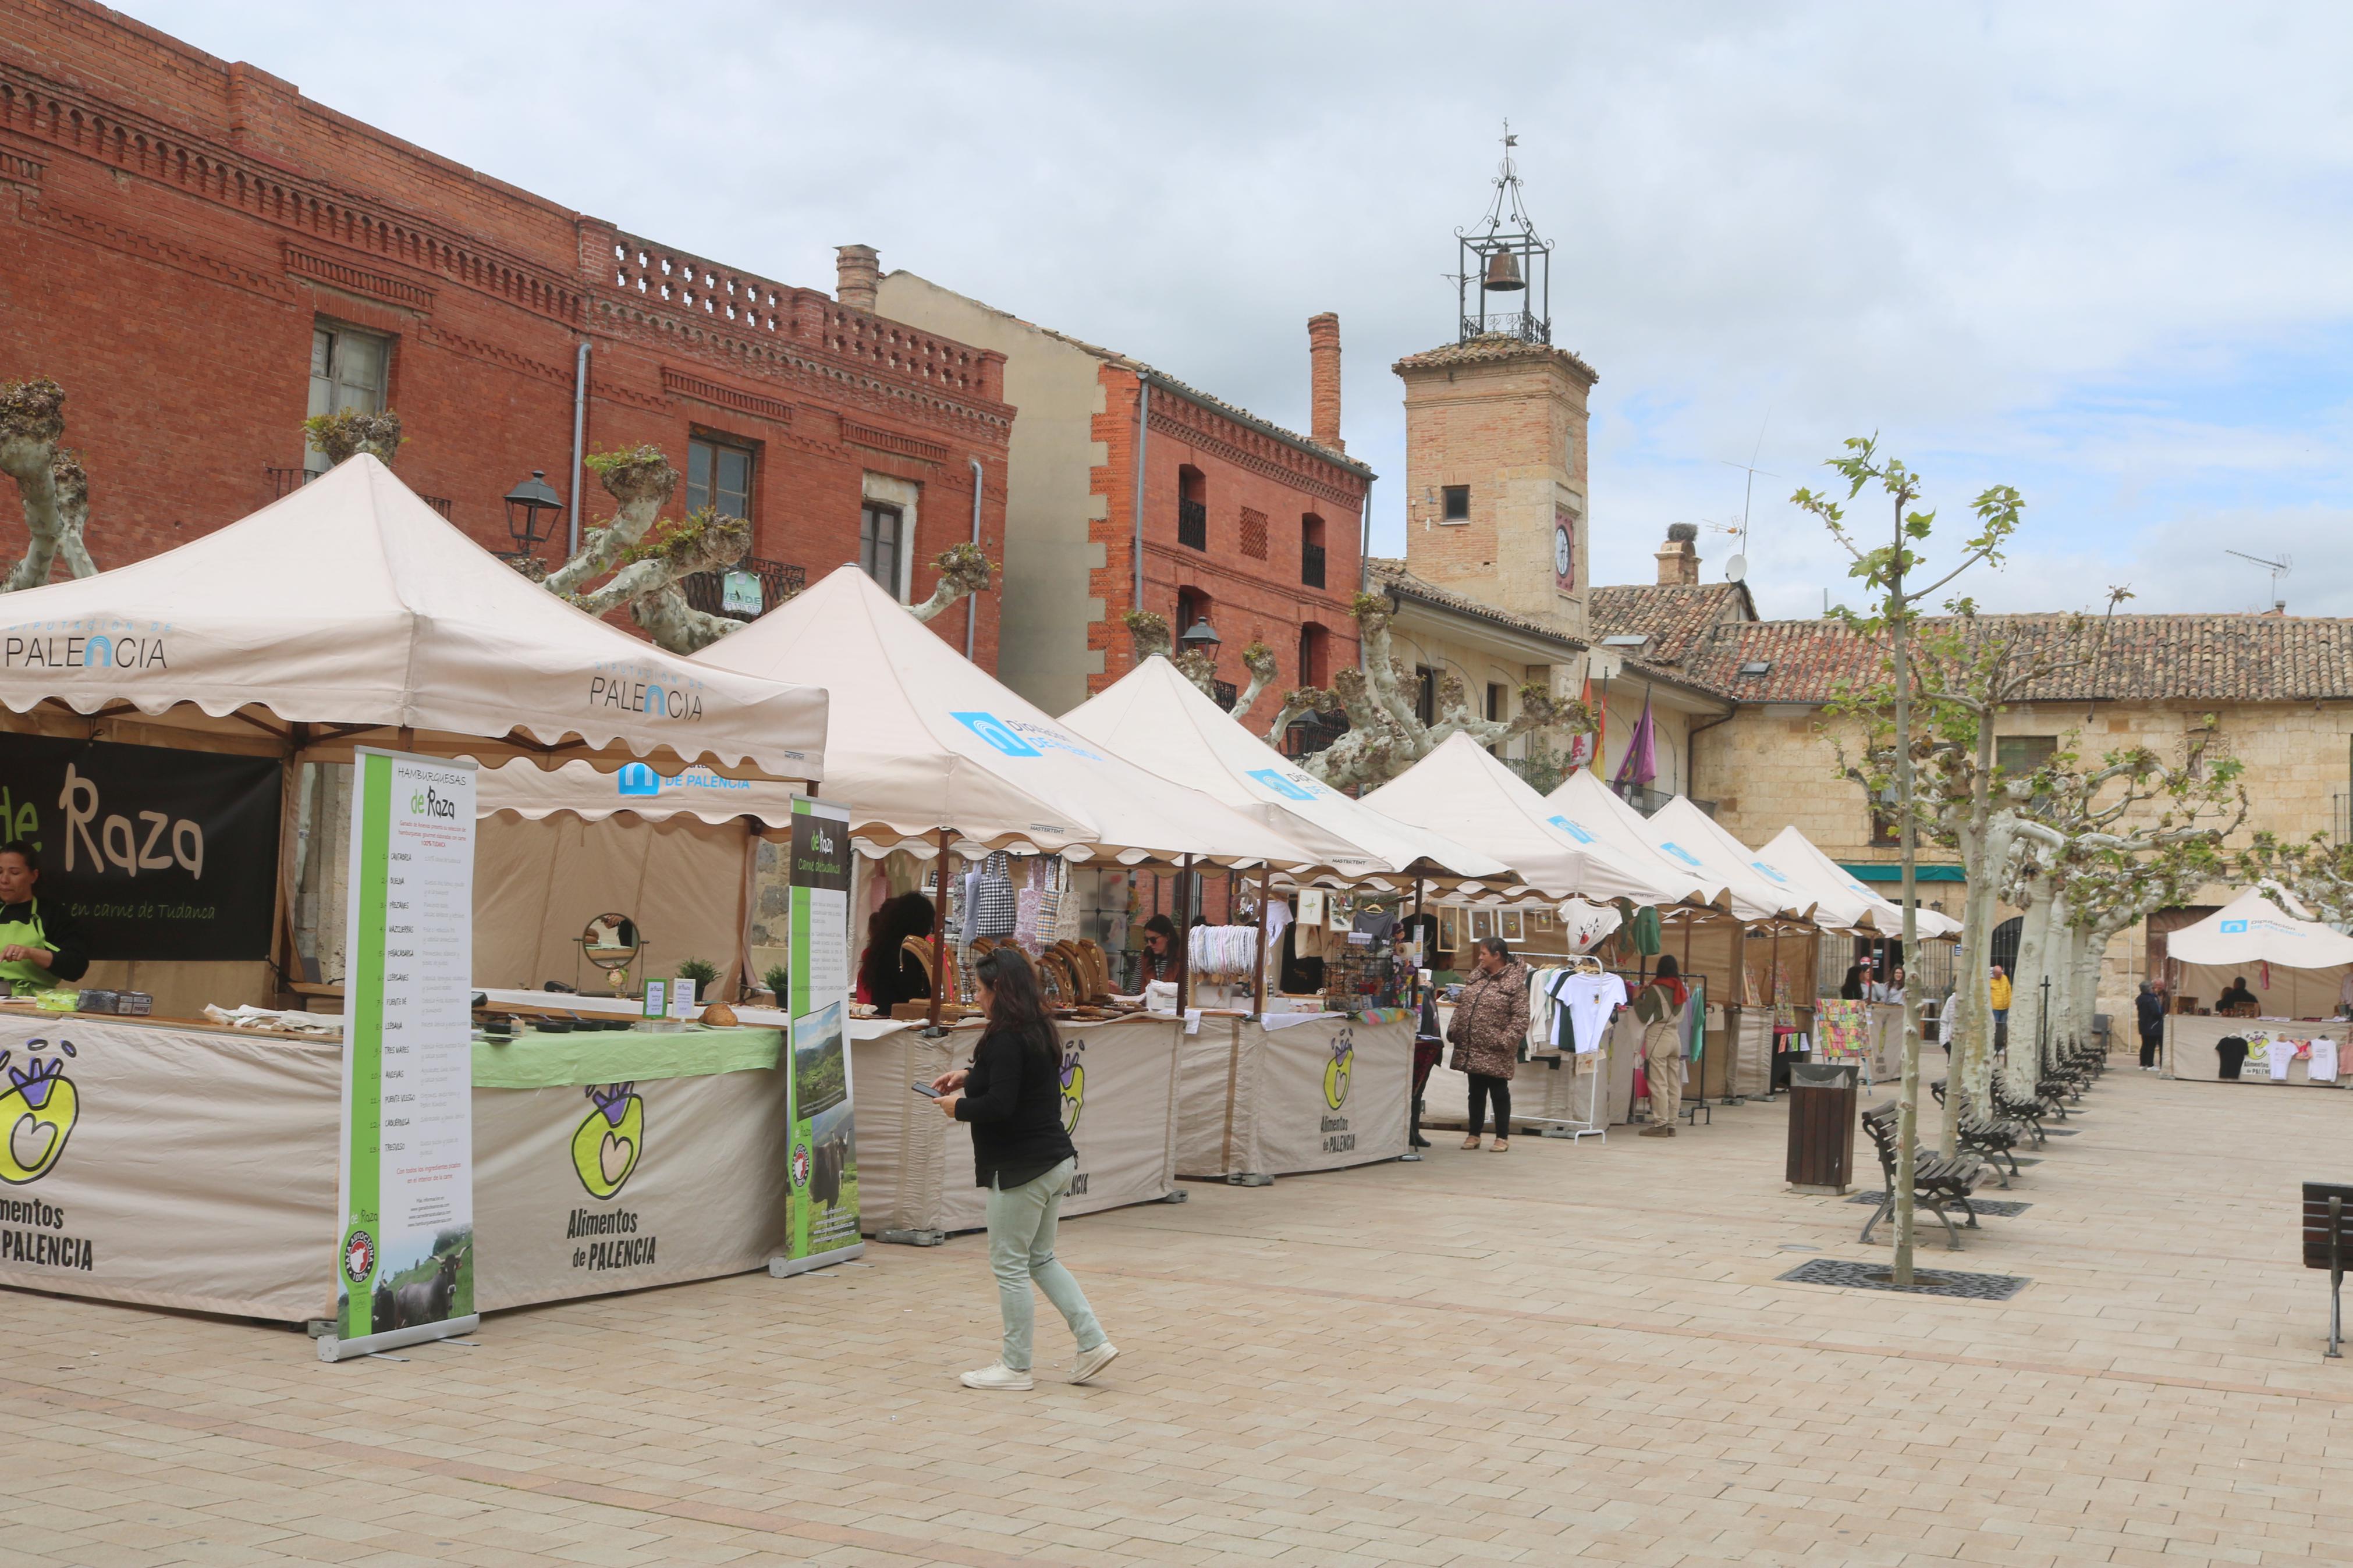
(1012, 1098)
(1490, 1024)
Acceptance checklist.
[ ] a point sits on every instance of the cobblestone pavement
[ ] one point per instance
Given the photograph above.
(1558, 1353)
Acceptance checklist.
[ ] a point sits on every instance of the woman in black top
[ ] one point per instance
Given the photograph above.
(1850, 988)
(1011, 1097)
(888, 972)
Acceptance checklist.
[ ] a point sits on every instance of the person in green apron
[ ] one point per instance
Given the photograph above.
(40, 946)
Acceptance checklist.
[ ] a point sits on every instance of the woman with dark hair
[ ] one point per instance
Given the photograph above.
(888, 974)
(1490, 1024)
(1159, 951)
(1850, 988)
(1659, 1006)
(40, 945)
(1012, 1098)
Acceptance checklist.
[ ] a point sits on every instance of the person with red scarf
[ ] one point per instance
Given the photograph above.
(1660, 1006)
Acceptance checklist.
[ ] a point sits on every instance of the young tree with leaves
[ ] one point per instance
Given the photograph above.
(1888, 572)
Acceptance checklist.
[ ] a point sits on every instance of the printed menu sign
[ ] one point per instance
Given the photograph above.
(404, 1261)
(824, 1193)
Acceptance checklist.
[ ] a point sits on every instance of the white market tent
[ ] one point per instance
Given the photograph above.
(1683, 832)
(1842, 902)
(1461, 790)
(1163, 723)
(1586, 806)
(922, 740)
(1590, 812)
(2296, 968)
(352, 612)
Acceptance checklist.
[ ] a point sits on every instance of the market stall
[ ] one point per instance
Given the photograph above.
(2300, 973)
(1285, 1094)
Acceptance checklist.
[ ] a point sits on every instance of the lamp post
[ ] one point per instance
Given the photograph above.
(533, 506)
(1201, 637)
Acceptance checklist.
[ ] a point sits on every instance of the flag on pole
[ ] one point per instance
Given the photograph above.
(1640, 764)
(1587, 748)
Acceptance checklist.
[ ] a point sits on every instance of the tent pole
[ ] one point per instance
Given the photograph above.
(1413, 990)
(1183, 944)
(1258, 970)
(940, 933)
(1773, 1002)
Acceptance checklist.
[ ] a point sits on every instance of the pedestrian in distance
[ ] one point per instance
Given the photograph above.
(2150, 1009)
(1011, 1097)
(1658, 1007)
(1491, 1021)
(1850, 988)
(1998, 991)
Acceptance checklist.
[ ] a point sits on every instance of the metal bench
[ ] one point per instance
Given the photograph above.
(1989, 1137)
(1939, 1180)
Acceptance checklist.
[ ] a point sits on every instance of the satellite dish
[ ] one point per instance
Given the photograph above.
(1735, 569)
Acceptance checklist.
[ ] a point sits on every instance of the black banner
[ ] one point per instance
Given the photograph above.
(159, 853)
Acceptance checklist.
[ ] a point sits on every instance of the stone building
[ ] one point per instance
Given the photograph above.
(203, 257)
(1240, 523)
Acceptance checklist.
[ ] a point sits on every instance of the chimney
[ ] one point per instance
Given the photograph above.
(1323, 380)
(1679, 556)
(857, 270)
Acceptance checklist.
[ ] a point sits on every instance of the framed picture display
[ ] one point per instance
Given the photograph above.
(1450, 930)
(1483, 924)
(1540, 920)
(1509, 926)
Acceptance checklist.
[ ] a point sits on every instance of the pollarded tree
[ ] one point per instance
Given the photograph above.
(2312, 878)
(50, 480)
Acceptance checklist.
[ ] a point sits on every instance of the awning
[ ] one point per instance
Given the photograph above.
(1881, 871)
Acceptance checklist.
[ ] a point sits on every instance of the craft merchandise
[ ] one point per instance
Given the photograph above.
(2277, 1054)
(998, 910)
(1278, 920)
(1573, 1007)
(1222, 953)
(2323, 1067)
(1311, 907)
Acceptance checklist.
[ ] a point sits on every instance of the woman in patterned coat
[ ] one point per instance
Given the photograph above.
(1490, 1024)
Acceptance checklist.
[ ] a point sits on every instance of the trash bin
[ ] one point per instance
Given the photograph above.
(1822, 1115)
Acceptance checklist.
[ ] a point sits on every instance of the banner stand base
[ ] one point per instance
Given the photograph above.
(332, 1349)
(785, 1267)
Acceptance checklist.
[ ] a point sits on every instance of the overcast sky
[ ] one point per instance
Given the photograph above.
(2099, 252)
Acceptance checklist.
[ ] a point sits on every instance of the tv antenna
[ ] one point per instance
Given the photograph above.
(1748, 486)
(2278, 569)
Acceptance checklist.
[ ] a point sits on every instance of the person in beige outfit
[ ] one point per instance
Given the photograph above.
(1659, 1006)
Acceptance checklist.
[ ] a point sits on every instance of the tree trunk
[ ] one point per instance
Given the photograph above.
(2022, 1066)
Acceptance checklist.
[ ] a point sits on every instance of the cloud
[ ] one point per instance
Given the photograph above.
(2093, 250)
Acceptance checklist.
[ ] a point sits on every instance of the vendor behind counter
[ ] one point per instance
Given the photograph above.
(40, 945)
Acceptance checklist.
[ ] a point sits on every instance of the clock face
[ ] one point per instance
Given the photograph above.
(1560, 553)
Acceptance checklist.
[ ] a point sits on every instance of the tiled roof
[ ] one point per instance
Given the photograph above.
(1673, 617)
(2186, 658)
(1390, 576)
(1494, 348)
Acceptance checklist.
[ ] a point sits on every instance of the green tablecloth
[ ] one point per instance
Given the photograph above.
(554, 1062)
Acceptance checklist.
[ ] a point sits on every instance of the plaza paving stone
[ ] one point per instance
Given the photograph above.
(1561, 1354)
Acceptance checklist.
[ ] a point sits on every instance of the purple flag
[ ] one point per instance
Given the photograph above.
(1640, 764)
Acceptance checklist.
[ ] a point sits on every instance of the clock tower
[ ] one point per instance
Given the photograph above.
(1495, 427)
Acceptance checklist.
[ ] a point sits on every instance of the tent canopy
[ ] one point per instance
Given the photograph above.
(1476, 799)
(1585, 807)
(1163, 723)
(351, 604)
(921, 740)
(1841, 901)
(1682, 831)
(2251, 929)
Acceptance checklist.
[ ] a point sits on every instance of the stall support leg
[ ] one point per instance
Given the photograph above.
(1258, 968)
(1184, 901)
(1413, 987)
(939, 934)
(2336, 1277)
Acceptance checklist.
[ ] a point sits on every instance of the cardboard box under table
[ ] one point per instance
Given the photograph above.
(1274, 1097)
(915, 1168)
(178, 1165)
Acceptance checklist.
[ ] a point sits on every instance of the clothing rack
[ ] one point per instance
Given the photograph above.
(1592, 1124)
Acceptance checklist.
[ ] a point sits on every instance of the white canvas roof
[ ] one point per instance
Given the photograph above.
(922, 739)
(1590, 810)
(1683, 832)
(2251, 929)
(1461, 790)
(1163, 723)
(637, 789)
(351, 604)
(1843, 900)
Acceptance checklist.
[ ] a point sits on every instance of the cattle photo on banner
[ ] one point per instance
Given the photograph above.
(404, 1260)
(824, 1194)
(157, 853)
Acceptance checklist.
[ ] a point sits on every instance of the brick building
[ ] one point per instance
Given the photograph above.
(203, 257)
(1253, 527)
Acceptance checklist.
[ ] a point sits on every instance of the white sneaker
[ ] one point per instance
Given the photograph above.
(1000, 1376)
(1092, 1361)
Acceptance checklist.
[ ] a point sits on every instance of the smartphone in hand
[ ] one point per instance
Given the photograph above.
(926, 1091)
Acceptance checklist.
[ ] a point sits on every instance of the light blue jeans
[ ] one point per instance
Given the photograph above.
(1021, 1250)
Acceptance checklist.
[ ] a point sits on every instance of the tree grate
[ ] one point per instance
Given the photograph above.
(1935, 1281)
(2001, 1207)
(2061, 1132)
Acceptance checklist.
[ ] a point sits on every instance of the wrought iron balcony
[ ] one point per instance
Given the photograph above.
(1193, 524)
(1228, 694)
(1308, 736)
(1524, 325)
(1649, 801)
(1311, 565)
(707, 591)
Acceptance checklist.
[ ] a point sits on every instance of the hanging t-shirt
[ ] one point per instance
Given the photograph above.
(1587, 1002)
(2323, 1065)
(2277, 1055)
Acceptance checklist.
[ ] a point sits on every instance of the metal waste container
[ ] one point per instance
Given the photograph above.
(1823, 1096)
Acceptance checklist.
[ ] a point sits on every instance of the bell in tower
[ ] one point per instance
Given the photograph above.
(1504, 255)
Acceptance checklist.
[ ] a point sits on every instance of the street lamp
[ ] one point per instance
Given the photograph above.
(532, 509)
(1201, 637)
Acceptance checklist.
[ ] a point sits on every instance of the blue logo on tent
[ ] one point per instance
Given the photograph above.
(1680, 853)
(998, 733)
(2233, 927)
(1770, 872)
(636, 778)
(1289, 789)
(1571, 828)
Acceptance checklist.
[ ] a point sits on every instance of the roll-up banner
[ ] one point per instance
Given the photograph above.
(158, 853)
(824, 1167)
(404, 1262)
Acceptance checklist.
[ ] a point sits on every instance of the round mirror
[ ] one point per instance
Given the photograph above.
(611, 941)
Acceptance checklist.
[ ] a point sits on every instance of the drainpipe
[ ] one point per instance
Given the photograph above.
(972, 601)
(1142, 434)
(1365, 545)
(579, 433)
